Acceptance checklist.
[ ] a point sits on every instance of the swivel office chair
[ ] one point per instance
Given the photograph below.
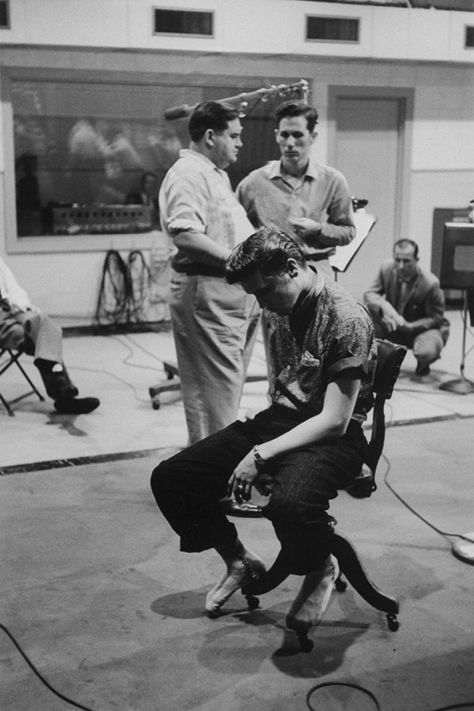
(9, 357)
(389, 359)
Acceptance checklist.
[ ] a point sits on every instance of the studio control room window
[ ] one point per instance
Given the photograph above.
(90, 156)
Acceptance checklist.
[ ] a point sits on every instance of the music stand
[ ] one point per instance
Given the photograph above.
(344, 254)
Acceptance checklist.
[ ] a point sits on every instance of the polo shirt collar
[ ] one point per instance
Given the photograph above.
(274, 170)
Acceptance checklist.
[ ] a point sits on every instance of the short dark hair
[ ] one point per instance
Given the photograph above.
(290, 109)
(267, 250)
(404, 242)
(211, 114)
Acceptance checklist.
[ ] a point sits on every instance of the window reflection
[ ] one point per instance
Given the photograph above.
(90, 157)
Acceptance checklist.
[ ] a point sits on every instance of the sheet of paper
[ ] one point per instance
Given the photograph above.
(342, 257)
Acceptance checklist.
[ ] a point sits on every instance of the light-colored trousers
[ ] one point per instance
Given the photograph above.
(214, 328)
(37, 328)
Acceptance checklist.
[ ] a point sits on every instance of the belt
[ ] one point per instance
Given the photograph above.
(198, 269)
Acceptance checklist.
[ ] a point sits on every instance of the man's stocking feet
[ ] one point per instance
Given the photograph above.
(313, 598)
(240, 571)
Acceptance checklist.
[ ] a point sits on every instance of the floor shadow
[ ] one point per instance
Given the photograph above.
(66, 422)
(184, 605)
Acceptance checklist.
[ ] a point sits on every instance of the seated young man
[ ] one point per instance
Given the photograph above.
(24, 326)
(407, 305)
(309, 441)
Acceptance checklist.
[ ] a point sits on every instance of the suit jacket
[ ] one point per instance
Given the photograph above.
(424, 306)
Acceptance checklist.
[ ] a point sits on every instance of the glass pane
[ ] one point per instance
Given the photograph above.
(332, 28)
(469, 40)
(183, 22)
(80, 147)
(4, 13)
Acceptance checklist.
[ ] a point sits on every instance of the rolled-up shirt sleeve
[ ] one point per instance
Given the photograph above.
(187, 206)
(351, 350)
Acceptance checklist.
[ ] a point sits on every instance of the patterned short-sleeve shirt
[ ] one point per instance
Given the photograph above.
(329, 333)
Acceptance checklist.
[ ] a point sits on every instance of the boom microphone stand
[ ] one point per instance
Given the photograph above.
(242, 100)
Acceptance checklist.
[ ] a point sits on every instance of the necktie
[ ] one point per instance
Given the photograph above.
(402, 297)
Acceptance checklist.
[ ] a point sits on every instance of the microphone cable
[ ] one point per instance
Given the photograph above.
(316, 687)
(39, 675)
(445, 534)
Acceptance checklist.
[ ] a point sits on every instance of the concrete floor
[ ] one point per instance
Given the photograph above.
(97, 594)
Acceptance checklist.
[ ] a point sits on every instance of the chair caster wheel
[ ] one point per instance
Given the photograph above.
(252, 601)
(155, 404)
(393, 623)
(306, 644)
(340, 585)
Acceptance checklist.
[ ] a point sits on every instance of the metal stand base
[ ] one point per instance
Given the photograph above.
(461, 386)
(464, 549)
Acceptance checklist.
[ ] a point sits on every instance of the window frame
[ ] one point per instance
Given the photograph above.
(353, 18)
(6, 5)
(468, 31)
(191, 35)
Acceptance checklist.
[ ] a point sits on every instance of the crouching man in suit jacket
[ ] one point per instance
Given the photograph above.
(407, 305)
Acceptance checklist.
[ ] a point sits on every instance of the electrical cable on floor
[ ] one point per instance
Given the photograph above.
(451, 707)
(39, 675)
(463, 705)
(340, 683)
(413, 511)
(112, 375)
(445, 534)
(126, 361)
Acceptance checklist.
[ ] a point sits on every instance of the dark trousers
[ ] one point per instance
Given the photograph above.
(188, 486)
(40, 337)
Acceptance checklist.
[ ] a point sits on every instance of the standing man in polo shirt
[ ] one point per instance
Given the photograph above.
(307, 200)
(214, 323)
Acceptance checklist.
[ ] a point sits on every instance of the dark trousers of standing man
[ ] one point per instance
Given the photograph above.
(188, 486)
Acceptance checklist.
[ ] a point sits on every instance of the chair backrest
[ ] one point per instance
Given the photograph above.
(389, 360)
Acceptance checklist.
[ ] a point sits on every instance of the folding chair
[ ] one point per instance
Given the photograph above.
(7, 359)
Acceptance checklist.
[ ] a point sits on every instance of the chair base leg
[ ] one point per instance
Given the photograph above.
(352, 568)
(274, 576)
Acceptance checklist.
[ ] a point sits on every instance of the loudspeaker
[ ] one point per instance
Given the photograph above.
(457, 257)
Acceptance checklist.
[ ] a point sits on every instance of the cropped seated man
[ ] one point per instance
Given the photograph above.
(407, 305)
(24, 326)
(300, 450)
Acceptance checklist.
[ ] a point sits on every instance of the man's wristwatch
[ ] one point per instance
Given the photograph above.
(260, 462)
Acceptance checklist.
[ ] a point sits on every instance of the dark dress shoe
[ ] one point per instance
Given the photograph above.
(76, 405)
(422, 370)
